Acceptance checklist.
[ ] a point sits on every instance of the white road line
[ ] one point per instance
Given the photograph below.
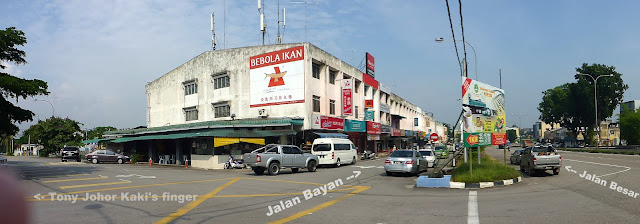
(472, 216)
(604, 164)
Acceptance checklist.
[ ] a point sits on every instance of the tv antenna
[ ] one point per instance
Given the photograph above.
(213, 34)
(305, 15)
(283, 21)
(263, 24)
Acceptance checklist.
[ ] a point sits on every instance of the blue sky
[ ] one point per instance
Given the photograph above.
(97, 56)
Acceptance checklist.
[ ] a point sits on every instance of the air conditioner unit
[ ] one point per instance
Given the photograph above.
(263, 113)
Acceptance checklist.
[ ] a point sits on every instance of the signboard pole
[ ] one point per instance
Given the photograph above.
(479, 155)
(471, 160)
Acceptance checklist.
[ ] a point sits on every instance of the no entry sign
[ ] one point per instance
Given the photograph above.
(434, 137)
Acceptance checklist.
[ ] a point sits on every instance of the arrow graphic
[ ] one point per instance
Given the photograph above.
(357, 173)
(568, 168)
(37, 196)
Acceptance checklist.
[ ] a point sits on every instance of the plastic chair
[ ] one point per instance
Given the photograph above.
(161, 160)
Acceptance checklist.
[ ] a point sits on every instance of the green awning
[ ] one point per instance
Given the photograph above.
(96, 140)
(212, 124)
(214, 133)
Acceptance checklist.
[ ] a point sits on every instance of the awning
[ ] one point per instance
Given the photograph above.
(214, 133)
(399, 116)
(217, 142)
(331, 135)
(96, 140)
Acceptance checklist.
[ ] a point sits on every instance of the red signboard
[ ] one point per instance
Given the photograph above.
(434, 137)
(277, 57)
(347, 85)
(371, 65)
(367, 79)
(498, 138)
(374, 128)
(465, 86)
(396, 132)
(368, 103)
(331, 123)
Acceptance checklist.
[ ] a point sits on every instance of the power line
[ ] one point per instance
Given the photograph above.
(454, 36)
(464, 46)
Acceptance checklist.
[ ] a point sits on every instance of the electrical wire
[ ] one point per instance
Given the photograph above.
(464, 43)
(454, 37)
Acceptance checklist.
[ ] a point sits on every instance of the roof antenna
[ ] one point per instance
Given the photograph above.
(283, 21)
(213, 34)
(263, 24)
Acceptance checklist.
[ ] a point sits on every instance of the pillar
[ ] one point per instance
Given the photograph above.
(284, 140)
(178, 157)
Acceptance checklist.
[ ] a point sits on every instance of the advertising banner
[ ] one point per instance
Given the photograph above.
(368, 115)
(385, 129)
(484, 113)
(347, 86)
(368, 103)
(396, 132)
(371, 65)
(355, 126)
(330, 123)
(373, 128)
(373, 137)
(277, 77)
(385, 108)
(477, 139)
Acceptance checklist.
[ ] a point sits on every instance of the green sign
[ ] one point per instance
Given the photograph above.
(477, 139)
(368, 115)
(355, 126)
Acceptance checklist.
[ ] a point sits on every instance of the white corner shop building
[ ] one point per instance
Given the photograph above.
(231, 101)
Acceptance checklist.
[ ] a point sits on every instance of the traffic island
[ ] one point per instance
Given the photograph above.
(462, 185)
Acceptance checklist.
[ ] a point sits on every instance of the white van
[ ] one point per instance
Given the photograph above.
(334, 151)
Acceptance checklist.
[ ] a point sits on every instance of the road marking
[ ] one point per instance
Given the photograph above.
(472, 215)
(368, 167)
(194, 204)
(279, 194)
(139, 176)
(55, 176)
(604, 164)
(285, 181)
(46, 171)
(93, 185)
(319, 207)
(137, 186)
(77, 179)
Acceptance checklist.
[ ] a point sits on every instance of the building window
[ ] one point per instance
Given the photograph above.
(332, 77)
(191, 114)
(190, 88)
(332, 107)
(315, 70)
(316, 104)
(356, 111)
(356, 86)
(220, 81)
(221, 110)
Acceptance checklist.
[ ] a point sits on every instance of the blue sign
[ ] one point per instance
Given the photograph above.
(355, 126)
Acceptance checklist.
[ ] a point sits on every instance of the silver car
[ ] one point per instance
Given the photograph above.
(405, 161)
(3, 162)
(516, 156)
(429, 156)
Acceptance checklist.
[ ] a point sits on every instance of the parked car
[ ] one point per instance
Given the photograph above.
(274, 157)
(70, 153)
(429, 156)
(405, 161)
(537, 159)
(334, 151)
(516, 156)
(441, 151)
(3, 162)
(106, 156)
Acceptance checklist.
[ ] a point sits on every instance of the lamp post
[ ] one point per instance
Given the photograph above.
(519, 124)
(52, 107)
(595, 100)
(440, 39)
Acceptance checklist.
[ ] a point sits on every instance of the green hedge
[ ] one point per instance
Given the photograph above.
(488, 171)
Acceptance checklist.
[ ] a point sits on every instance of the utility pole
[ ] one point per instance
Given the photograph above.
(505, 123)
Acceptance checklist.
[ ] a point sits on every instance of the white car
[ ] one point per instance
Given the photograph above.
(334, 151)
(429, 155)
(3, 162)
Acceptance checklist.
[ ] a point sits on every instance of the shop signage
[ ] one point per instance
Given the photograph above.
(368, 115)
(483, 111)
(347, 86)
(410, 133)
(385, 108)
(373, 137)
(277, 77)
(499, 138)
(371, 65)
(373, 128)
(477, 139)
(330, 123)
(386, 129)
(415, 122)
(355, 126)
(368, 103)
(396, 132)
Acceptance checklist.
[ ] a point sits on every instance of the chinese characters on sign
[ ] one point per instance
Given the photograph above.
(277, 77)
(330, 123)
(347, 86)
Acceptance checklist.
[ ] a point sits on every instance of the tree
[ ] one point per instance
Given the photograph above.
(13, 87)
(97, 132)
(630, 126)
(54, 133)
(572, 104)
(511, 135)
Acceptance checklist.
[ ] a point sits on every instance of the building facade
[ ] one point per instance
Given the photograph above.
(231, 101)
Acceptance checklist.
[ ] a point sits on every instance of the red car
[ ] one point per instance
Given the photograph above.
(106, 156)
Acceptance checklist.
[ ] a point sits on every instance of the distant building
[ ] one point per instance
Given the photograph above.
(631, 105)
(539, 129)
(28, 150)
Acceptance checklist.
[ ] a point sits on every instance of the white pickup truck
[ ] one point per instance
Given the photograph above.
(537, 159)
(273, 157)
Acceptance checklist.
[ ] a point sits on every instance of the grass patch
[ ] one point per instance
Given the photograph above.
(625, 152)
(488, 171)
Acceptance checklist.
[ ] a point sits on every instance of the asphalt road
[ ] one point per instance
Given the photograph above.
(239, 196)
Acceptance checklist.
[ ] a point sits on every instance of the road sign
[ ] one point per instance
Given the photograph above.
(434, 137)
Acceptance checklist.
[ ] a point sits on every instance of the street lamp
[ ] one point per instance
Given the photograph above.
(52, 108)
(595, 99)
(440, 39)
(520, 124)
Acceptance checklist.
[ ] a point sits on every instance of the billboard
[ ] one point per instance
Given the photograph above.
(325, 122)
(484, 116)
(277, 77)
(371, 65)
(347, 86)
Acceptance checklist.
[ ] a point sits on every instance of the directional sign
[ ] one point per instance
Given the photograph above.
(477, 139)
(434, 137)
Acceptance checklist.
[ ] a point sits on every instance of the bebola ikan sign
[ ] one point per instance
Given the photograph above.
(484, 118)
(277, 77)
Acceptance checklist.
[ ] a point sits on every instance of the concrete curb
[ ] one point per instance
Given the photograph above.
(461, 185)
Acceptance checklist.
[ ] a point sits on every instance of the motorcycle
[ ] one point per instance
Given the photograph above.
(368, 155)
(235, 163)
